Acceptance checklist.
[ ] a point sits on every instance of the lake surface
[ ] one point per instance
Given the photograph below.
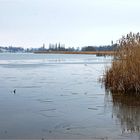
(60, 97)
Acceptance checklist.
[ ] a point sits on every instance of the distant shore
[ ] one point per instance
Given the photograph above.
(100, 53)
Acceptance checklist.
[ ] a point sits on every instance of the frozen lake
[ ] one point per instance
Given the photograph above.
(59, 96)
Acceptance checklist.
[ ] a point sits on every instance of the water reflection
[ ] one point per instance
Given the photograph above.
(126, 110)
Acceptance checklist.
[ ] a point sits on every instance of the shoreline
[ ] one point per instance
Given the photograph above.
(98, 53)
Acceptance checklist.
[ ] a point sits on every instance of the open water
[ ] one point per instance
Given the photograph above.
(59, 96)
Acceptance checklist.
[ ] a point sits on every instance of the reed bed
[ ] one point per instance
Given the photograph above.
(124, 73)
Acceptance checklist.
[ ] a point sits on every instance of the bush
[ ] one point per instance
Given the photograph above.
(124, 73)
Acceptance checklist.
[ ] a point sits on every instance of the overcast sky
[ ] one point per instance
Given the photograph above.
(30, 23)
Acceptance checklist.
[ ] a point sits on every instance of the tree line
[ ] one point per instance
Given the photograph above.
(59, 47)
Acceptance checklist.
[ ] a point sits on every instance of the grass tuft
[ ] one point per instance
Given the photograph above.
(124, 73)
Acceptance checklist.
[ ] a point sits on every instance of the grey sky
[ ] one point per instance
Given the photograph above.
(30, 23)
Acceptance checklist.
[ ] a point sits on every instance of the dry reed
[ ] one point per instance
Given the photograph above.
(124, 73)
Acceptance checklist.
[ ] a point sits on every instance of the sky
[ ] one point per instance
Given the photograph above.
(75, 23)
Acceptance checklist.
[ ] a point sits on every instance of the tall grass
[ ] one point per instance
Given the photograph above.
(124, 73)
